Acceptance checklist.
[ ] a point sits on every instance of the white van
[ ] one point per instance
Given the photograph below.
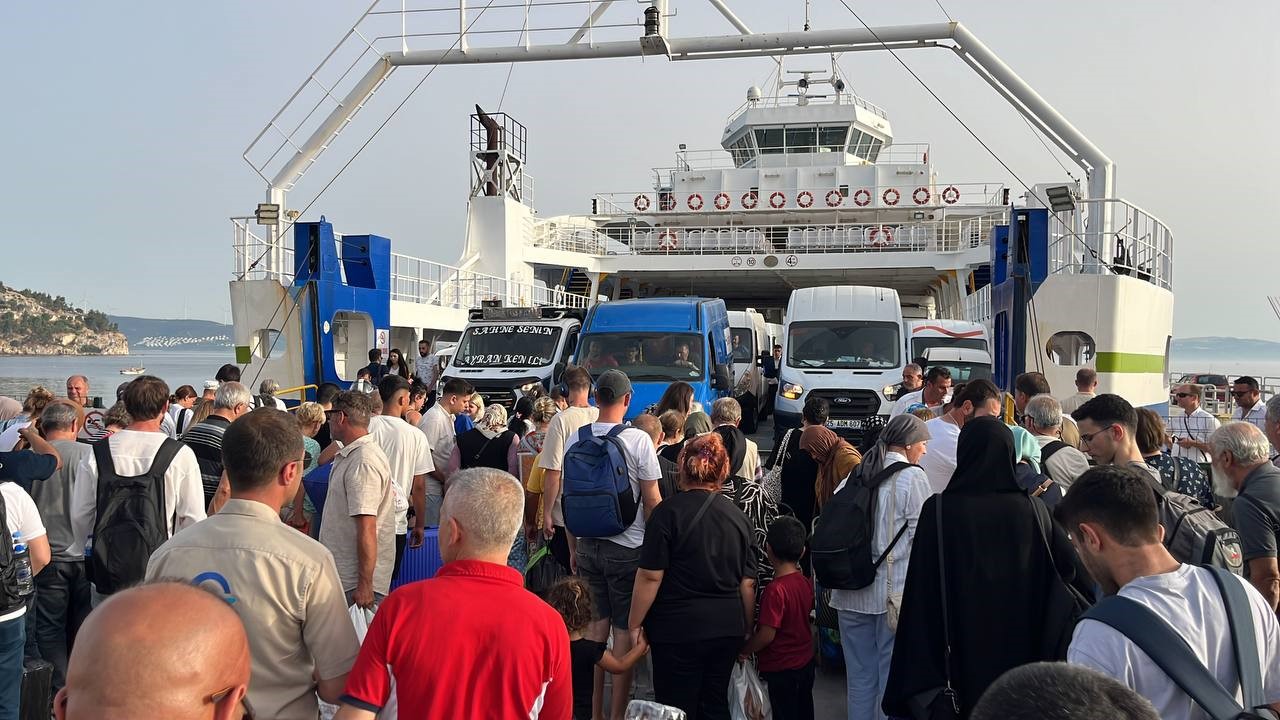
(843, 344)
(748, 341)
(965, 364)
(925, 334)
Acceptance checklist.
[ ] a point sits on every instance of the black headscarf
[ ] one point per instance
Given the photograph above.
(1000, 579)
(735, 443)
(985, 458)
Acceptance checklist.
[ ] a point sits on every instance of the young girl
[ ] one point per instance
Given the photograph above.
(572, 599)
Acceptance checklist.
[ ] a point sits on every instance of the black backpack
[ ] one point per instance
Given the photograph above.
(10, 598)
(130, 522)
(841, 544)
(1194, 534)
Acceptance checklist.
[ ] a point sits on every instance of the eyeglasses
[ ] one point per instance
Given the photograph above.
(1181, 395)
(1240, 393)
(246, 709)
(1088, 437)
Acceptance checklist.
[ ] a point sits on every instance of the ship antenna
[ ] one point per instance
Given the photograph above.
(806, 15)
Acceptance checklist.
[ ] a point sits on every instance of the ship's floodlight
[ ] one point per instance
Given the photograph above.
(1060, 199)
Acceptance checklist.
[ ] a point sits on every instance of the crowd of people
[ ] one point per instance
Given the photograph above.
(976, 555)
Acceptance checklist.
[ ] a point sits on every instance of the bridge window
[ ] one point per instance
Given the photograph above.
(769, 140)
(831, 137)
(1072, 348)
(803, 139)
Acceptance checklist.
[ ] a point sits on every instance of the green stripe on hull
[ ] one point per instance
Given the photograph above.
(1119, 362)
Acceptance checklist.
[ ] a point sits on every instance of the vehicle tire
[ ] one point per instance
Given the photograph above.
(750, 413)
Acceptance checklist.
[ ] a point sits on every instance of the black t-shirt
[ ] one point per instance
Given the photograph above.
(703, 564)
(798, 474)
(583, 656)
(324, 438)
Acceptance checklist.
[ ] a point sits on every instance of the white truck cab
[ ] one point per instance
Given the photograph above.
(965, 364)
(505, 352)
(843, 344)
(749, 342)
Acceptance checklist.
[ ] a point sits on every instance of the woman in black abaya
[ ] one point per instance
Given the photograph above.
(1007, 594)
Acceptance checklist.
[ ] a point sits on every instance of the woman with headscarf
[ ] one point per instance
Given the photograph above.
(1029, 470)
(868, 616)
(835, 458)
(490, 444)
(1005, 594)
(695, 424)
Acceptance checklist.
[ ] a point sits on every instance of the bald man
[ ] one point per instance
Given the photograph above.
(167, 650)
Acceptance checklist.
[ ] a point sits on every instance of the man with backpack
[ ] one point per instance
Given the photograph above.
(1192, 532)
(1061, 462)
(1242, 468)
(1186, 638)
(142, 487)
(18, 514)
(610, 484)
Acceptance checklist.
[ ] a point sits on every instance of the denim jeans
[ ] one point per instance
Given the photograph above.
(13, 635)
(868, 647)
(62, 603)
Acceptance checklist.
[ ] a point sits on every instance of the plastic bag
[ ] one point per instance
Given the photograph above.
(648, 710)
(361, 618)
(747, 697)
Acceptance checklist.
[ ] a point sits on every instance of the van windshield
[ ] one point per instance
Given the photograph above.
(963, 372)
(920, 344)
(643, 356)
(508, 346)
(843, 344)
(742, 344)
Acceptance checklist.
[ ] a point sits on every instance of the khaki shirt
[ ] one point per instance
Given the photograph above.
(285, 588)
(360, 484)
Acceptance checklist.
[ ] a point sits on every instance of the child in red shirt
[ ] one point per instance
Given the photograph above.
(782, 638)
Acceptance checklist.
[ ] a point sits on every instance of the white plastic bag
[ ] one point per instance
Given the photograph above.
(747, 697)
(361, 618)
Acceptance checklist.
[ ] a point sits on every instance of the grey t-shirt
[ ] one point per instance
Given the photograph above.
(1257, 512)
(53, 499)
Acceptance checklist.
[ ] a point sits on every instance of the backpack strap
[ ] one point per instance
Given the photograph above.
(1177, 473)
(1240, 619)
(1167, 650)
(946, 621)
(106, 473)
(1050, 449)
(159, 466)
(181, 421)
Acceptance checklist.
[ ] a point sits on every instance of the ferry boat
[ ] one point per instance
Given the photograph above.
(809, 187)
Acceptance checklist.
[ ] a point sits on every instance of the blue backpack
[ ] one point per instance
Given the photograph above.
(597, 497)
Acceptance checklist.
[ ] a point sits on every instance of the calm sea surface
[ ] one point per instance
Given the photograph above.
(18, 374)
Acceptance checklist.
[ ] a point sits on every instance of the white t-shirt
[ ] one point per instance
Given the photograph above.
(176, 412)
(1198, 426)
(642, 466)
(560, 432)
(21, 516)
(914, 398)
(407, 453)
(1189, 600)
(940, 462)
(132, 452)
(437, 425)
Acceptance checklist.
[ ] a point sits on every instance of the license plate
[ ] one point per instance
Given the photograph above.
(846, 424)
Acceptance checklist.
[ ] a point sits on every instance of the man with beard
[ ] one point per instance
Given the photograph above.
(1242, 469)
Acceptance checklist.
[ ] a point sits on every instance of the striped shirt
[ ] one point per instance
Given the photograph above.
(205, 440)
(909, 489)
(1198, 426)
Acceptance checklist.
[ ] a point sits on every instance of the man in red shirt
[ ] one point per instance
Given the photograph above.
(782, 637)
(471, 642)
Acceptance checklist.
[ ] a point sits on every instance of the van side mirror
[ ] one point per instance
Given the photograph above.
(722, 380)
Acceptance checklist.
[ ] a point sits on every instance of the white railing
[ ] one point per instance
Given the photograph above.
(257, 259)
(806, 156)
(412, 279)
(941, 236)
(1140, 246)
(1217, 400)
(931, 198)
(795, 101)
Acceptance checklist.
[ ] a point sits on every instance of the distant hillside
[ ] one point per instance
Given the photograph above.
(154, 334)
(35, 323)
(1219, 347)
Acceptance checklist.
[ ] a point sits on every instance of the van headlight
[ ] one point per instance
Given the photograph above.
(887, 391)
(791, 391)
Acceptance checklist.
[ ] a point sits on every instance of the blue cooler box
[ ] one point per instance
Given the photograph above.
(420, 563)
(316, 483)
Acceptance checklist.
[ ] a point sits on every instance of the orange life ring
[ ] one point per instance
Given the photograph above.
(641, 202)
(862, 198)
(915, 195)
(694, 202)
(750, 200)
(951, 195)
(722, 201)
(804, 199)
(667, 240)
(896, 196)
(881, 236)
(777, 199)
(834, 198)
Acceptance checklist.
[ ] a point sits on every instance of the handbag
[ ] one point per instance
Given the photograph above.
(942, 702)
(772, 482)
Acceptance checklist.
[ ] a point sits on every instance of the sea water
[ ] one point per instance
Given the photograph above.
(177, 368)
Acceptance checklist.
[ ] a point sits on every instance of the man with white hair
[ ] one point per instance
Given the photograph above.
(1242, 469)
(1271, 427)
(230, 401)
(1061, 462)
(726, 414)
(496, 651)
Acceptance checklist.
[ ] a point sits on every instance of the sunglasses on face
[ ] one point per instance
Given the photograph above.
(1240, 393)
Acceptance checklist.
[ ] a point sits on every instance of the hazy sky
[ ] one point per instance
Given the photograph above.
(125, 122)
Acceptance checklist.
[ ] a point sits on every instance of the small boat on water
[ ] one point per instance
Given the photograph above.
(133, 371)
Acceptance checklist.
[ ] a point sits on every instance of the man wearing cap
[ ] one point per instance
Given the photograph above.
(609, 564)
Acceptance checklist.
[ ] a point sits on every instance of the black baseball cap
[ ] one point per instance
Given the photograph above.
(612, 385)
